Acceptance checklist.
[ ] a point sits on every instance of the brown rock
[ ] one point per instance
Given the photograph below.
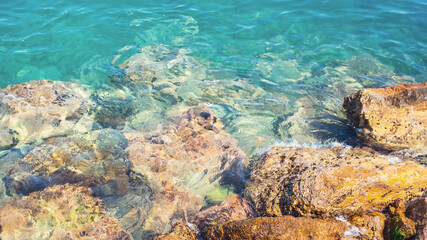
(417, 212)
(233, 209)
(59, 212)
(180, 231)
(286, 227)
(329, 182)
(371, 224)
(393, 118)
(40, 109)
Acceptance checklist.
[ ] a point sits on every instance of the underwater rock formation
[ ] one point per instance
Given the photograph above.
(59, 212)
(185, 164)
(330, 182)
(392, 118)
(96, 160)
(33, 111)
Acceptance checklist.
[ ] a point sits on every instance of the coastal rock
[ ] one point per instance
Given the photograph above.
(233, 209)
(100, 163)
(179, 231)
(417, 212)
(186, 163)
(58, 212)
(285, 227)
(371, 224)
(331, 181)
(391, 118)
(36, 110)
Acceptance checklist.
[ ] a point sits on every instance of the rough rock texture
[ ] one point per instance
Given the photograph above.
(36, 110)
(417, 212)
(59, 212)
(180, 231)
(185, 163)
(371, 224)
(393, 118)
(286, 227)
(332, 181)
(233, 209)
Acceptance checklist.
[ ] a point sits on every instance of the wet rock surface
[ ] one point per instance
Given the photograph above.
(32, 111)
(391, 118)
(285, 227)
(330, 182)
(59, 212)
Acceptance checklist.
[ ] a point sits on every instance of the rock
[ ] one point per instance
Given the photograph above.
(332, 181)
(8, 138)
(391, 118)
(41, 109)
(233, 209)
(371, 224)
(180, 231)
(58, 212)
(101, 164)
(417, 212)
(285, 227)
(185, 162)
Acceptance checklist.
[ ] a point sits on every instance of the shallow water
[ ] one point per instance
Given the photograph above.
(273, 71)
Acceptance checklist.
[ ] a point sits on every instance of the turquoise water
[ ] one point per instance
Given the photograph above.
(300, 58)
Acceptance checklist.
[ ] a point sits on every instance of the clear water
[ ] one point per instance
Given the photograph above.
(300, 58)
(274, 71)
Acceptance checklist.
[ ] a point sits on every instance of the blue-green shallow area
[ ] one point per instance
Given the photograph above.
(76, 40)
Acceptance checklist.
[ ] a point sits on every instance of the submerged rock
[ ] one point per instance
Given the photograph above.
(32, 111)
(330, 182)
(58, 212)
(392, 118)
(186, 162)
(285, 227)
(100, 163)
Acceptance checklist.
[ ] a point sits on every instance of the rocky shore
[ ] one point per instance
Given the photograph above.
(74, 167)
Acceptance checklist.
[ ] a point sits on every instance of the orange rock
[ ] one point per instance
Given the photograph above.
(286, 227)
(329, 182)
(392, 118)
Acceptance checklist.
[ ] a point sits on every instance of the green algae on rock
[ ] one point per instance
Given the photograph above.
(330, 182)
(59, 212)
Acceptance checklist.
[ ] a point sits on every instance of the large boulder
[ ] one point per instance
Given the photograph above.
(187, 165)
(285, 227)
(331, 181)
(59, 212)
(32, 111)
(392, 118)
